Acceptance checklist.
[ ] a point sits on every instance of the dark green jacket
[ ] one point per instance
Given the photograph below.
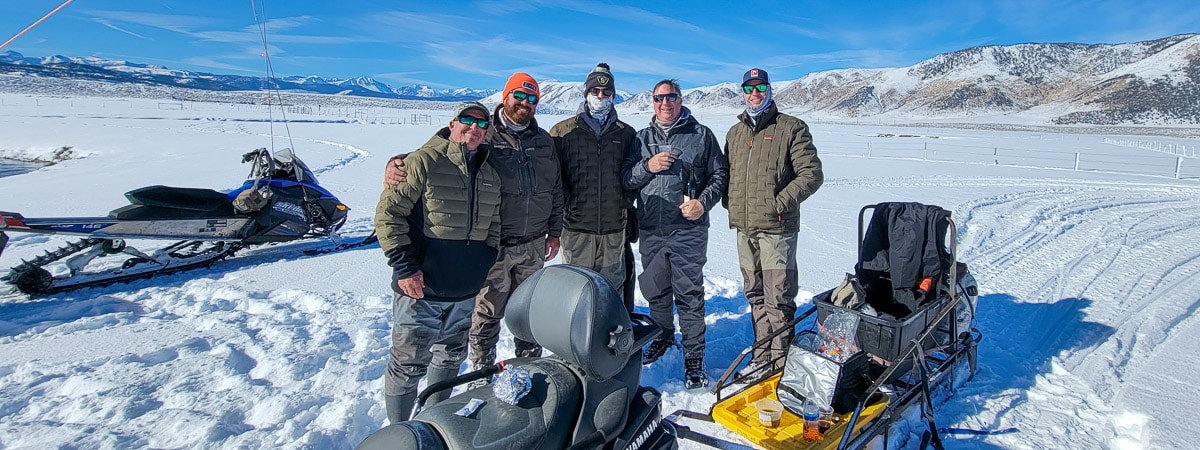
(443, 220)
(773, 166)
(532, 196)
(596, 200)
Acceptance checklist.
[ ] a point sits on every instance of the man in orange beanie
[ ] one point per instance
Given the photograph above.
(531, 205)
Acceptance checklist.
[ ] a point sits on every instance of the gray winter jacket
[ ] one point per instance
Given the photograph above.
(700, 171)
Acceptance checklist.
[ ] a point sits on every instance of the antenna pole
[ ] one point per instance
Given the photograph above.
(30, 27)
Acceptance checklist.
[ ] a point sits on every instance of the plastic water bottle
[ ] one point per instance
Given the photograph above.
(812, 421)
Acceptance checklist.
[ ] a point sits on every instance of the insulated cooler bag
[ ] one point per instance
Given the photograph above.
(809, 373)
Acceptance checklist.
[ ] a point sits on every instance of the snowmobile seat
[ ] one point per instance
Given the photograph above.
(163, 202)
(582, 393)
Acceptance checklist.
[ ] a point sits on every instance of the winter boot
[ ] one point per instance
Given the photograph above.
(757, 368)
(526, 349)
(476, 366)
(657, 348)
(693, 373)
(437, 375)
(399, 407)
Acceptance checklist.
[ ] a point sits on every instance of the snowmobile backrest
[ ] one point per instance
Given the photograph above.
(904, 258)
(575, 313)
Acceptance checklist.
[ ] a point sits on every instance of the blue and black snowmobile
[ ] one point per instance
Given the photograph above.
(281, 201)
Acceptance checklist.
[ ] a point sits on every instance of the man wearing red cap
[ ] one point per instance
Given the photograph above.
(530, 211)
(768, 142)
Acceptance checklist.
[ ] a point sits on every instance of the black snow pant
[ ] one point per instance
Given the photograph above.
(673, 277)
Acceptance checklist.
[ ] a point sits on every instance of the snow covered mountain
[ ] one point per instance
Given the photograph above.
(559, 97)
(1151, 82)
(97, 69)
(1139, 83)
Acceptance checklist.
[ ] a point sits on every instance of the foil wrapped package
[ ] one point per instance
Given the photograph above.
(512, 384)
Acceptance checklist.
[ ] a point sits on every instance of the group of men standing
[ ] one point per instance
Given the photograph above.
(503, 196)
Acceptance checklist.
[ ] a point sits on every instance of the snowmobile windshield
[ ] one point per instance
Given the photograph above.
(287, 162)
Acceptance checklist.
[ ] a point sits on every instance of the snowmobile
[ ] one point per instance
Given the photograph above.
(279, 202)
(586, 396)
(891, 335)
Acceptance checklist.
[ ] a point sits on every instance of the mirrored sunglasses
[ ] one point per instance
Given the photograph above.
(750, 89)
(468, 121)
(672, 97)
(532, 99)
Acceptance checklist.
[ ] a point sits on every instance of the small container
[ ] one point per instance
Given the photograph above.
(826, 419)
(812, 422)
(770, 412)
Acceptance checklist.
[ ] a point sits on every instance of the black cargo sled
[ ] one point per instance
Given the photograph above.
(281, 201)
(587, 396)
(914, 306)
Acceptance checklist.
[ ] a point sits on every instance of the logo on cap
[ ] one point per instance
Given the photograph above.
(754, 72)
(528, 85)
(603, 80)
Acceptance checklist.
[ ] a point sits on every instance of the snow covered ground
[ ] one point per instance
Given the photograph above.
(1089, 282)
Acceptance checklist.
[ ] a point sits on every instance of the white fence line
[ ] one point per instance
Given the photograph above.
(1162, 147)
(1170, 166)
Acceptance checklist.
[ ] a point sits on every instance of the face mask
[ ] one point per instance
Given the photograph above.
(599, 107)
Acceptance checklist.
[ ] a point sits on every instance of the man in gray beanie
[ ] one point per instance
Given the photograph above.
(592, 146)
(767, 231)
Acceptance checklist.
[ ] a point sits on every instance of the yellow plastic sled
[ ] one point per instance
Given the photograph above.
(738, 414)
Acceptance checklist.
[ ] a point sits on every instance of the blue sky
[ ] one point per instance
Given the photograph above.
(479, 44)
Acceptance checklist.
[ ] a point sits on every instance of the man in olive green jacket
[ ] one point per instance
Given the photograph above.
(439, 229)
(773, 167)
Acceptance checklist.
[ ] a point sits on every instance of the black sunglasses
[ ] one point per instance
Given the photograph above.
(761, 88)
(532, 99)
(598, 91)
(672, 97)
(468, 121)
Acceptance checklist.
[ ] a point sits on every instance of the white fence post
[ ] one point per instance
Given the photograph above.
(868, 149)
(1178, 166)
(1076, 161)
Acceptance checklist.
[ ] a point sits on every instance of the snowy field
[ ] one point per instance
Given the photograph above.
(1089, 279)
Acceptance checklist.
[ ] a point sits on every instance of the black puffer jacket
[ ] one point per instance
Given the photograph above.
(531, 195)
(700, 171)
(591, 174)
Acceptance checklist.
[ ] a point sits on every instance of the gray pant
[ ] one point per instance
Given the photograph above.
(425, 334)
(768, 263)
(513, 266)
(603, 253)
(673, 275)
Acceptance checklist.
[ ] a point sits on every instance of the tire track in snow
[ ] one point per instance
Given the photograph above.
(1097, 243)
(355, 154)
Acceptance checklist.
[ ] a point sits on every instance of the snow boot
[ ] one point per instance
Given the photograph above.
(399, 407)
(526, 349)
(437, 375)
(657, 348)
(693, 374)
